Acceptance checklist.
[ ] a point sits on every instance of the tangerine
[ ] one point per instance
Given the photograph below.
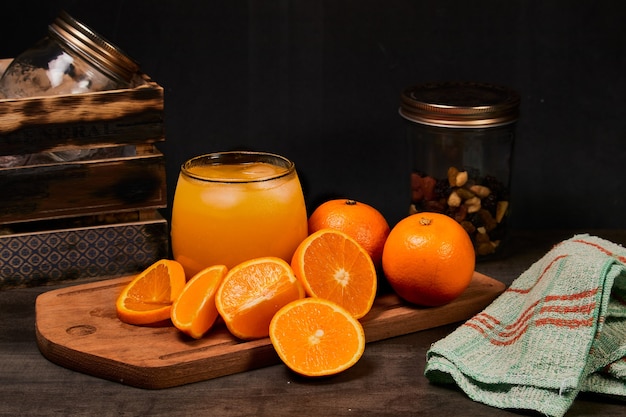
(428, 259)
(194, 311)
(252, 292)
(361, 221)
(332, 265)
(148, 298)
(316, 337)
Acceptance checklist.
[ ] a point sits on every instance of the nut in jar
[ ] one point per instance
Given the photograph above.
(478, 204)
(461, 139)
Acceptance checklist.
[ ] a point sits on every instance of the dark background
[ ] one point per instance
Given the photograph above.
(319, 82)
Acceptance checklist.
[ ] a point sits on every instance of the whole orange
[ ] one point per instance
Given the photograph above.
(428, 259)
(360, 221)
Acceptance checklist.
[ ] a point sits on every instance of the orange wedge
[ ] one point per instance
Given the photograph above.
(316, 337)
(252, 292)
(148, 298)
(332, 265)
(194, 311)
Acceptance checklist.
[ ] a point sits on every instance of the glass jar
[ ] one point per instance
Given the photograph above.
(461, 137)
(71, 59)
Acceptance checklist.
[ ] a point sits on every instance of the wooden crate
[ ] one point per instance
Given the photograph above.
(77, 248)
(80, 188)
(88, 120)
(122, 180)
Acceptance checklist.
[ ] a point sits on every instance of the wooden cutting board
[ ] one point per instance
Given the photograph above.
(77, 327)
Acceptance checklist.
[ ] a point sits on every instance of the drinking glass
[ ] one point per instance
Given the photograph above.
(233, 206)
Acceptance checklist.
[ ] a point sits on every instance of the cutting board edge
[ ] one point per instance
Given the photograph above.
(155, 377)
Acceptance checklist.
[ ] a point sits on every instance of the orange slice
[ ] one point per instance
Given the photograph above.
(316, 337)
(252, 292)
(148, 298)
(194, 311)
(332, 265)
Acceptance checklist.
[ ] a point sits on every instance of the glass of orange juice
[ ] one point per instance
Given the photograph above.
(233, 206)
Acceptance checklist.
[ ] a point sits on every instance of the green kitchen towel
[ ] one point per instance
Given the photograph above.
(559, 329)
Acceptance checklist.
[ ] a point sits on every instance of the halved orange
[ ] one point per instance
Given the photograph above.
(194, 311)
(332, 265)
(148, 298)
(316, 337)
(252, 292)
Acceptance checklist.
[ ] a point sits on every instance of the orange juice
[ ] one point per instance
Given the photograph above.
(233, 206)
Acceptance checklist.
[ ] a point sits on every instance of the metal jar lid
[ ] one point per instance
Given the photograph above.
(460, 104)
(93, 48)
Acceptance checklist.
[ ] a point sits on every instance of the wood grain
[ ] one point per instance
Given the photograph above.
(77, 327)
(88, 120)
(83, 187)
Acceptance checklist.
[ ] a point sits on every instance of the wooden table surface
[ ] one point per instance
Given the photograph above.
(388, 380)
